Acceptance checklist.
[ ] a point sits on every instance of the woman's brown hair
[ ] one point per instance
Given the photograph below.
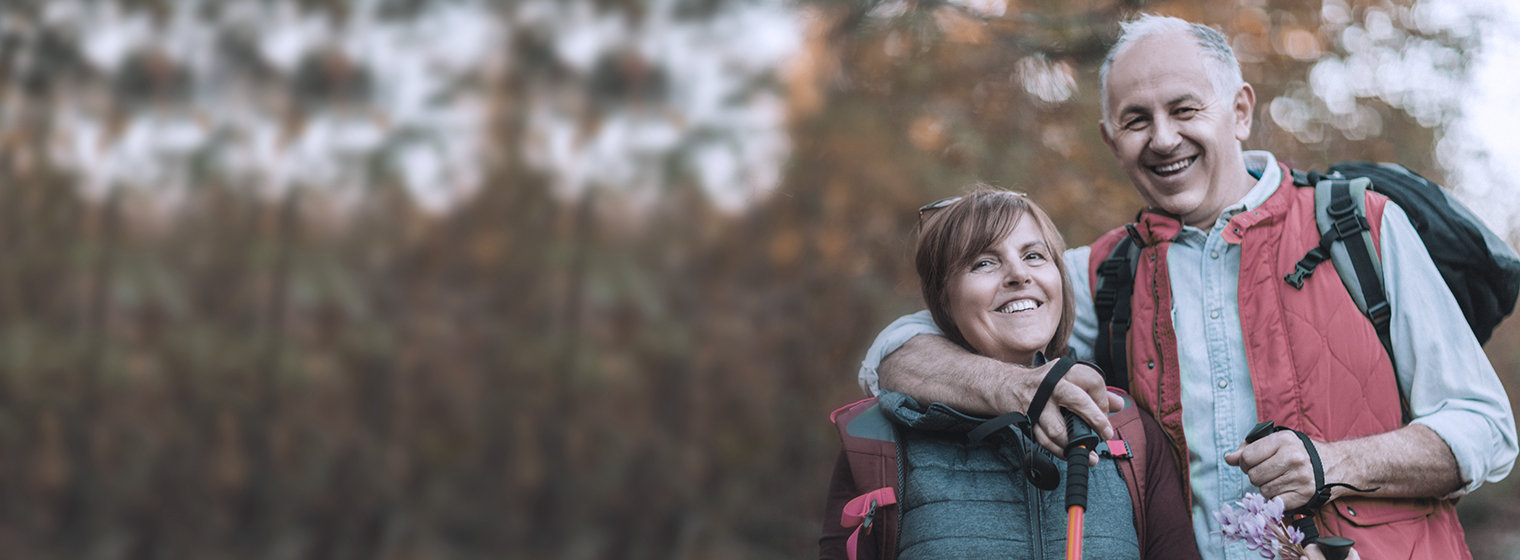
(951, 236)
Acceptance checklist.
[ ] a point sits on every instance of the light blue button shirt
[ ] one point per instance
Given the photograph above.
(1450, 384)
(1218, 406)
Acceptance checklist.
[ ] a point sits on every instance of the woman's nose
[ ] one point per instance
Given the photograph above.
(1016, 274)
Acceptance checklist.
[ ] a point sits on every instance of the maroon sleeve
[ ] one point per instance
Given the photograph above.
(1168, 524)
(831, 545)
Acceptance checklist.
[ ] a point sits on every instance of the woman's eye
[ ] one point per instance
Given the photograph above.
(1034, 257)
(982, 264)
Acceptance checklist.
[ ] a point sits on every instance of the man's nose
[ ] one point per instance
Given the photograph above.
(1164, 136)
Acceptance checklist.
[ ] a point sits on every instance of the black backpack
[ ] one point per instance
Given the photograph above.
(1480, 269)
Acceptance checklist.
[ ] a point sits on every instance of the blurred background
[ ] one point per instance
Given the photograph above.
(410, 279)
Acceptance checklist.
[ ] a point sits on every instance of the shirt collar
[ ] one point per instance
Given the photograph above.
(1262, 165)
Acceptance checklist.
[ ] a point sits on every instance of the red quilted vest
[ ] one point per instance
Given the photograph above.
(1329, 391)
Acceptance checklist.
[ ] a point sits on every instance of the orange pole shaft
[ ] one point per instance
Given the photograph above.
(1074, 532)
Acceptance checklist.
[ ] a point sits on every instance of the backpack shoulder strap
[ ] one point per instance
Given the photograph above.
(1114, 286)
(1340, 209)
(1129, 452)
(1340, 213)
(870, 447)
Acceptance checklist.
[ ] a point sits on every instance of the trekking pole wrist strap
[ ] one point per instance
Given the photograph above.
(1047, 387)
(1304, 515)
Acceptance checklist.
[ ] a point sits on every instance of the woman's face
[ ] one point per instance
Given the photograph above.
(1008, 302)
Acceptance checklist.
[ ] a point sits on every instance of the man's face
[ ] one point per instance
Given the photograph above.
(1177, 139)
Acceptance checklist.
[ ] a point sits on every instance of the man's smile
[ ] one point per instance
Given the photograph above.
(1173, 168)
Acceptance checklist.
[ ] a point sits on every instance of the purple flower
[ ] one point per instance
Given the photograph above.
(1295, 536)
(1259, 523)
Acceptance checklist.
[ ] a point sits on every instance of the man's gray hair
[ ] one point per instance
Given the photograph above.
(1219, 58)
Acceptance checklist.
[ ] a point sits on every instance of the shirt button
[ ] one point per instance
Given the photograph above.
(1150, 365)
(1224, 383)
(1214, 314)
(1214, 254)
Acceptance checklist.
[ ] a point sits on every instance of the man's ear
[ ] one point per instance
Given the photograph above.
(1108, 139)
(1244, 107)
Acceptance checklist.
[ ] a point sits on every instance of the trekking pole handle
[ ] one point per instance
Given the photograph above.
(1335, 548)
(1080, 440)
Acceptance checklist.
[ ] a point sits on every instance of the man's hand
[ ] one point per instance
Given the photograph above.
(933, 369)
(1410, 462)
(1279, 465)
(1083, 393)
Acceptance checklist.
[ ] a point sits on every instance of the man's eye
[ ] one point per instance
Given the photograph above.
(1135, 124)
(1185, 111)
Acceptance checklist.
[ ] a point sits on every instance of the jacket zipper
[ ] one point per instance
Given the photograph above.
(1037, 527)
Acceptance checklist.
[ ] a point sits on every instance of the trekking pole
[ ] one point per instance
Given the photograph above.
(1335, 548)
(1081, 440)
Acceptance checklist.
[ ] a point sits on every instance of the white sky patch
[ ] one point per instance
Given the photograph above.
(1050, 82)
(418, 121)
(984, 8)
(1474, 107)
(716, 121)
(1480, 150)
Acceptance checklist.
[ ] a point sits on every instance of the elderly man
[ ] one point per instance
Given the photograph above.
(1222, 348)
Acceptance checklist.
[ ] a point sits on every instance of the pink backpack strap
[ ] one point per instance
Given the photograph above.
(860, 513)
(834, 416)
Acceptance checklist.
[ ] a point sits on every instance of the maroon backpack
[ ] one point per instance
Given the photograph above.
(869, 446)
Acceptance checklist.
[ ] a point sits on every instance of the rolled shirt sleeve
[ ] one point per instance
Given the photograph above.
(1442, 369)
(893, 337)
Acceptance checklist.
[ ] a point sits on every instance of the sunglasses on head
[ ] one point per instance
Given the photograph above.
(927, 209)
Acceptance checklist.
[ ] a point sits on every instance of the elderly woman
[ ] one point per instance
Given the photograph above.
(922, 480)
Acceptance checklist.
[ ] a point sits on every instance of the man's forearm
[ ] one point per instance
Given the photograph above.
(933, 369)
(1410, 462)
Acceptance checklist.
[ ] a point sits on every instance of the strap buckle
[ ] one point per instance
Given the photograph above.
(1297, 277)
(1347, 226)
(1380, 313)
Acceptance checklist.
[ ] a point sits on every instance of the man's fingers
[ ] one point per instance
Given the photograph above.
(1091, 381)
(1279, 466)
(1079, 402)
(1044, 439)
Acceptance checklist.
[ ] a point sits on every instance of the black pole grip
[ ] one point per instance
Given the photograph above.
(1079, 434)
(1081, 440)
(1335, 548)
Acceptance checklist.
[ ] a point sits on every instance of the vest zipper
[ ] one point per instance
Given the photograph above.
(1037, 526)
